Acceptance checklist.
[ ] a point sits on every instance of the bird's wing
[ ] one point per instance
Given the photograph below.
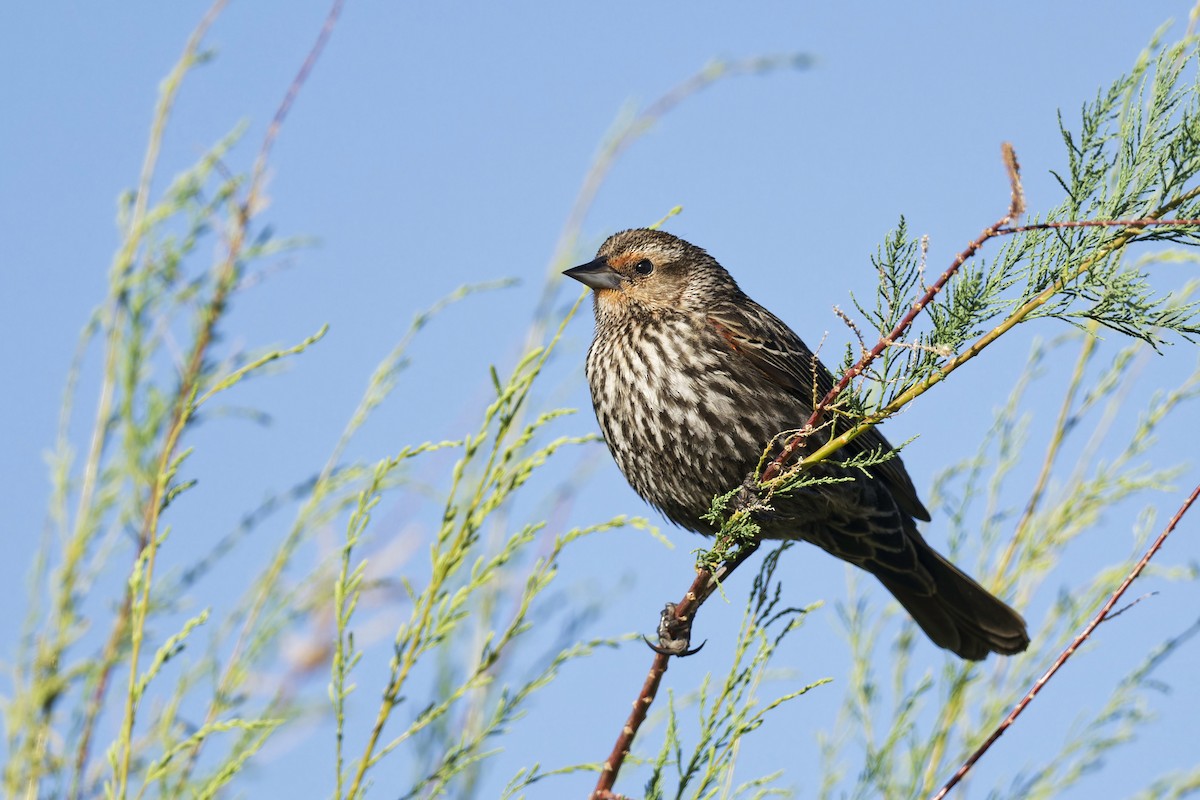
(775, 350)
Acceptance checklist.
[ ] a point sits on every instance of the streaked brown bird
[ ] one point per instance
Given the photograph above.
(691, 380)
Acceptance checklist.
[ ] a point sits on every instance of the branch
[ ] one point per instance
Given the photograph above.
(702, 588)
(1145, 222)
(293, 91)
(1132, 229)
(1016, 207)
(1103, 615)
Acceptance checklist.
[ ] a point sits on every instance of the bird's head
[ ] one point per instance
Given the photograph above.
(643, 271)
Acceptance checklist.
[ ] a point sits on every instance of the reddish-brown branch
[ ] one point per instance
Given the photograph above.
(612, 765)
(1001, 228)
(702, 588)
(1145, 222)
(1015, 208)
(293, 90)
(1102, 615)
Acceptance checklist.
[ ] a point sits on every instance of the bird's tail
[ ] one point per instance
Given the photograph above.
(959, 615)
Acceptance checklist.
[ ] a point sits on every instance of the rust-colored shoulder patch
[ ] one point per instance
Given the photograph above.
(728, 335)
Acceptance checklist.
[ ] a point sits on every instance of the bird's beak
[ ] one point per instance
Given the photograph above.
(596, 274)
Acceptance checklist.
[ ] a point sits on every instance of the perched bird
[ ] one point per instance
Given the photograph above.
(692, 380)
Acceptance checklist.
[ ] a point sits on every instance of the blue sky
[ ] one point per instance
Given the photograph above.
(437, 145)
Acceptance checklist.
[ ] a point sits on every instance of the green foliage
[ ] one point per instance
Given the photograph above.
(1135, 156)
(469, 613)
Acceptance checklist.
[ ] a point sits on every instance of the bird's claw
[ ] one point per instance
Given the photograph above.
(748, 498)
(674, 635)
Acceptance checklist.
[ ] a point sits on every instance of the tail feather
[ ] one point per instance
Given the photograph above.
(960, 615)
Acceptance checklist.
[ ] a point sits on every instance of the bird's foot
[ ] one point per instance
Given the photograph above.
(674, 634)
(749, 499)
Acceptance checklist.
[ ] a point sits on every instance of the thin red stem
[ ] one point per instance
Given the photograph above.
(1097, 223)
(637, 715)
(702, 588)
(1015, 208)
(797, 441)
(1101, 616)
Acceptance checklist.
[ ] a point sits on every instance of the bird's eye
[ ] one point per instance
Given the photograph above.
(644, 267)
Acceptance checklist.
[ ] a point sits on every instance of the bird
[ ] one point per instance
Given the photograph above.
(692, 381)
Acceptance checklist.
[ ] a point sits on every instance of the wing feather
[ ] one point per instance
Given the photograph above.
(780, 355)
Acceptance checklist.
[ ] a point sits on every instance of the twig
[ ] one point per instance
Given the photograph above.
(1102, 615)
(862, 345)
(293, 90)
(923, 262)
(1128, 606)
(1016, 207)
(227, 281)
(1145, 222)
(702, 588)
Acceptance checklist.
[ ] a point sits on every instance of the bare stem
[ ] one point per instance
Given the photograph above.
(702, 588)
(248, 209)
(1102, 615)
(1015, 208)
